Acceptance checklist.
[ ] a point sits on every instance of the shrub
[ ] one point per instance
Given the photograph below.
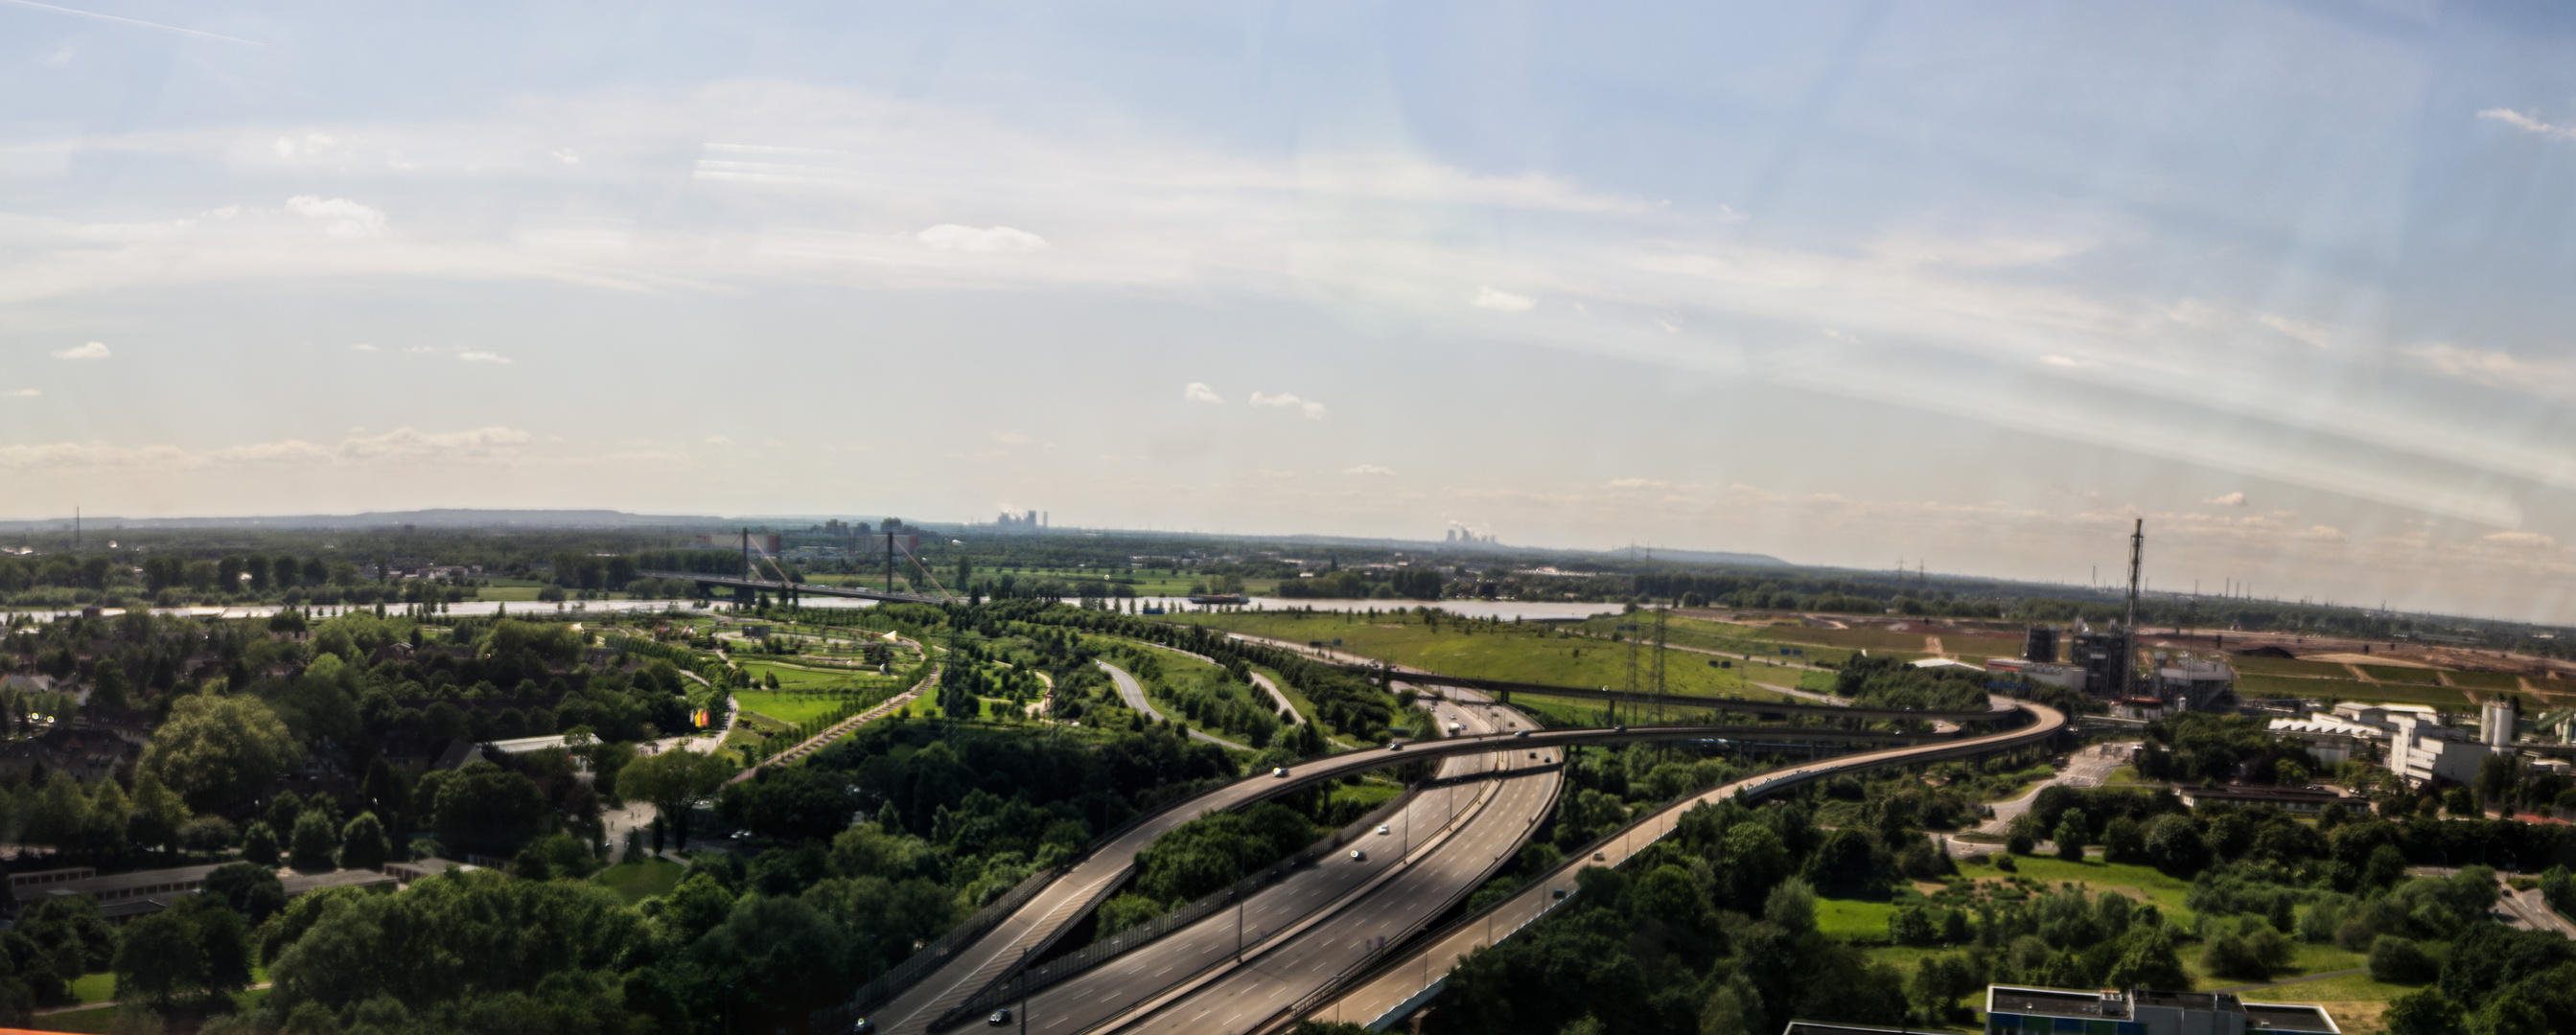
(2399, 961)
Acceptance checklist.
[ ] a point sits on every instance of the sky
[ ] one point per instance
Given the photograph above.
(1970, 286)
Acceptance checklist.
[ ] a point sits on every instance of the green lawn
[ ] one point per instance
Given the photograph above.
(2402, 674)
(637, 881)
(94, 988)
(2485, 680)
(791, 708)
(2289, 667)
(2351, 690)
(1518, 652)
(1854, 920)
(2136, 881)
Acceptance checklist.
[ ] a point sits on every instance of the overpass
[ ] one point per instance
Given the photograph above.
(1381, 986)
(994, 947)
(738, 583)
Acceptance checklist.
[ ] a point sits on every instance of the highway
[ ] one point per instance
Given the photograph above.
(1406, 979)
(1439, 829)
(1068, 898)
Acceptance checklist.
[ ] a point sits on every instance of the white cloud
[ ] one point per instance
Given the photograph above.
(1312, 410)
(1198, 391)
(312, 144)
(566, 156)
(346, 218)
(23, 393)
(2312, 334)
(2495, 369)
(2233, 499)
(93, 350)
(1011, 438)
(398, 445)
(2521, 540)
(1640, 483)
(2320, 534)
(2528, 124)
(1488, 298)
(718, 440)
(1369, 469)
(483, 357)
(362, 347)
(950, 237)
(2065, 362)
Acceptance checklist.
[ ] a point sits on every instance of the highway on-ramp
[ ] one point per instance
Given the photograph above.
(1063, 901)
(1401, 981)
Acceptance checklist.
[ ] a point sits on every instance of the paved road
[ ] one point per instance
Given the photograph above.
(1410, 978)
(1064, 901)
(2086, 768)
(1446, 838)
(1298, 967)
(1133, 692)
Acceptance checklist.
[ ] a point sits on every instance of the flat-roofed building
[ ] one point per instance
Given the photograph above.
(2015, 1010)
(2306, 801)
(423, 869)
(40, 878)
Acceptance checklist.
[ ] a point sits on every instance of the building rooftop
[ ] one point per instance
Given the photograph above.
(2056, 1002)
(2289, 1017)
(122, 884)
(2217, 1001)
(2259, 793)
(297, 884)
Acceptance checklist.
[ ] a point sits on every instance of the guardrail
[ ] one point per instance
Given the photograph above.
(1768, 781)
(893, 982)
(1013, 986)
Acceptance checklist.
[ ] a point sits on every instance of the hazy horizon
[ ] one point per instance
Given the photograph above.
(1970, 285)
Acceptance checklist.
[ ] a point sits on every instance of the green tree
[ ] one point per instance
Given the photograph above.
(484, 808)
(1792, 905)
(215, 751)
(362, 843)
(159, 957)
(2428, 1012)
(2124, 841)
(2070, 836)
(259, 844)
(2399, 961)
(253, 891)
(314, 841)
(672, 781)
(108, 685)
(159, 814)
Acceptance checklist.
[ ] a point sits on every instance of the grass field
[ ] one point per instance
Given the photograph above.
(2352, 690)
(790, 707)
(2289, 667)
(2402, 674)
(1518, 652)
(2138, 882)
(637, 881)
(2506, 681)
(1854, 920)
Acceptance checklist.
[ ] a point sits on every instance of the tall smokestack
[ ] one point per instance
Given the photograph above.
(2129, 632)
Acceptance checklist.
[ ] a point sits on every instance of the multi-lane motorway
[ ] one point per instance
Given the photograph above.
(1307, 932)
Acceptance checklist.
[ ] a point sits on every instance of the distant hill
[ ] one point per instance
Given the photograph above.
(441, 518)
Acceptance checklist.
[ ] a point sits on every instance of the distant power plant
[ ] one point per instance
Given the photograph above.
(1030, 521)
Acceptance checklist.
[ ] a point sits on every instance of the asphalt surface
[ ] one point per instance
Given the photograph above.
(1406, 979)
(1064, 901)
(1442, 841)
(1133, 692)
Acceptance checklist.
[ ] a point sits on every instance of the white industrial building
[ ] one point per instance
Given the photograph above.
(2420, 747)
